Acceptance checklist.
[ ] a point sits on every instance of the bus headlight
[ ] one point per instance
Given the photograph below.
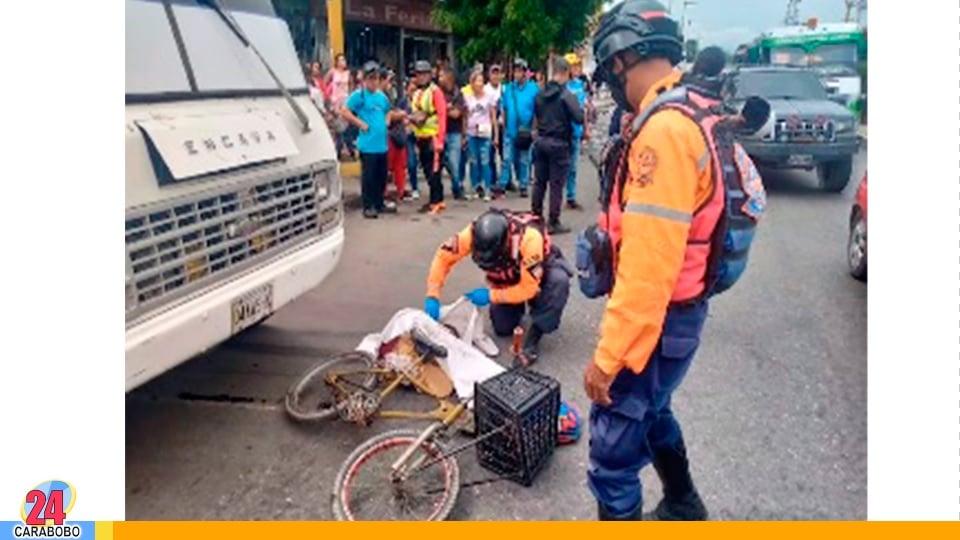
(322, 181)
(843, 125)
(131, 295)
(327, 185)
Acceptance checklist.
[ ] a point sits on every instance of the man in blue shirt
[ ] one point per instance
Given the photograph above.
(368, 108)
(579, 86)
(517, 105)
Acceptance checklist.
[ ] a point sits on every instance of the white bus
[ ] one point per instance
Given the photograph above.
(233, 193)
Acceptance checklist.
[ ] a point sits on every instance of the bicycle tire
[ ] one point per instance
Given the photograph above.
(292, 401)
(379, 443)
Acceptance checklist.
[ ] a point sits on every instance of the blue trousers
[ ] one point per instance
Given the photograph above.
(572, 175)
(452, 154)
(546, 308)
(625, 436)
(514, 161)
(480, 157)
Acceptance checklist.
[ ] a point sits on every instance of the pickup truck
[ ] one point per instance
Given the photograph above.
(810, 130)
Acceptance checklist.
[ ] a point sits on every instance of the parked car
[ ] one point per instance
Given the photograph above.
(811, 131)
(857, 241)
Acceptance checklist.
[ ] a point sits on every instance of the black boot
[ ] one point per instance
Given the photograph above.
(681, 502)
(531, 345)
(603, 515)
(557, 228)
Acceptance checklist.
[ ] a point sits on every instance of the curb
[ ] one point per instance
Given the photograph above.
(350, 193)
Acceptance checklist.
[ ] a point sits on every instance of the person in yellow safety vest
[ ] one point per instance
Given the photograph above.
(429, 121)
(649, 334)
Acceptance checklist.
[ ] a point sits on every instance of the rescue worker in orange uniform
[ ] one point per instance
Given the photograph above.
(654, 316)
(523, 270)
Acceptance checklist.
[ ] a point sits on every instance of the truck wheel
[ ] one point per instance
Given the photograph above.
(835, 175)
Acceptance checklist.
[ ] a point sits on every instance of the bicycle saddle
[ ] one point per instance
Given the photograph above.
(426, 346)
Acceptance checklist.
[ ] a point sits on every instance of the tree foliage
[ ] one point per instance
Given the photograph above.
(504, 28)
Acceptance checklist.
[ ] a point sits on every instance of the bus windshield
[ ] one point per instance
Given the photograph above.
(833, 54)
(190, 51)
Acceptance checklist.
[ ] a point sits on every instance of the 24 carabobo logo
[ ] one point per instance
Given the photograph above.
(44, 511)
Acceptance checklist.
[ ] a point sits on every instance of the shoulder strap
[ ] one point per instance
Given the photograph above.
(678, 94)
(674, 95)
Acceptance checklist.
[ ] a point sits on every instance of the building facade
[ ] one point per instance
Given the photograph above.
(395, 33)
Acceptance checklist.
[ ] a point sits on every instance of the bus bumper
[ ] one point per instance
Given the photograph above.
(160, 343)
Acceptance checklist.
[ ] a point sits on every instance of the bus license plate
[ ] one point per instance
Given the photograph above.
(800, 159)
(251, 308)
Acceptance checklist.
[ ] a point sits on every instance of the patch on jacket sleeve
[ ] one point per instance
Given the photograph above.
(452, 245)
(642, 167)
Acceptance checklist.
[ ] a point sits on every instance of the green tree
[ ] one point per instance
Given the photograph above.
(526, 28)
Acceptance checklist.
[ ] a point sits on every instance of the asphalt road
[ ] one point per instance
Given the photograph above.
(774, 409)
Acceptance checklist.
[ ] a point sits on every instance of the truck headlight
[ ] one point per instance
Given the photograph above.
(843, 125)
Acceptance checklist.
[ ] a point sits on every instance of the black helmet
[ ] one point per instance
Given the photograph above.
(491, 248)
(642, 27)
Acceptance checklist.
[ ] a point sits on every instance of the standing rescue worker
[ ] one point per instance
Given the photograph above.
(655, 314)
(429, 121)
(522, 267)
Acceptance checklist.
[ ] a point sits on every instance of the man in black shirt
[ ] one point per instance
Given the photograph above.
(456, 118)
(556, 111)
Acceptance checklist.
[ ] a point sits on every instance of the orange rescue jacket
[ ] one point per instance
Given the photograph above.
(669, 179)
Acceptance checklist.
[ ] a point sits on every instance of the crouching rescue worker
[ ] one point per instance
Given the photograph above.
(523, 269)
(679, 176)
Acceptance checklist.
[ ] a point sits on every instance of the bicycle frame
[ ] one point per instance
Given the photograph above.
(398, 469)
(444, 407)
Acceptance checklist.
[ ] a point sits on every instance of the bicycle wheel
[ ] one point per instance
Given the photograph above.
(310, 398)
(364, 491)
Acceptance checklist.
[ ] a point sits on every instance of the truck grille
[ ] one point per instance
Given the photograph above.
(805, 130)
(176, 248)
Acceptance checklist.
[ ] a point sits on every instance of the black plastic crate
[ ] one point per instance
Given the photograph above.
(528, 403)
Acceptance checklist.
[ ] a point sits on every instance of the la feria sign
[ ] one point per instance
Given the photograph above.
(408, 14)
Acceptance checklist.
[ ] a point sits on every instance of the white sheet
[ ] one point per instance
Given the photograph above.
(465, 364)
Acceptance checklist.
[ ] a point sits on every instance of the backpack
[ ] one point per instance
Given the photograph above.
(519, 221)
(743, 199)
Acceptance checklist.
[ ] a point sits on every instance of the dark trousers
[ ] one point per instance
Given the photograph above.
(552, 164)
(546, 309)
(640, 424)
(496, 149)
(430, 169)
(373, 180)
(412, 162)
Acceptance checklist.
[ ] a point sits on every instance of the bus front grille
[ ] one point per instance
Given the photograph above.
(182, 246)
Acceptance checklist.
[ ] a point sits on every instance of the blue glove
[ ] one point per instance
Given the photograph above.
(480, 297)
(432, 307)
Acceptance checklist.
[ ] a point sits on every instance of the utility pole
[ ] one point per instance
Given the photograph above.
(793, 13)
(683, 16)
(848, 13)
